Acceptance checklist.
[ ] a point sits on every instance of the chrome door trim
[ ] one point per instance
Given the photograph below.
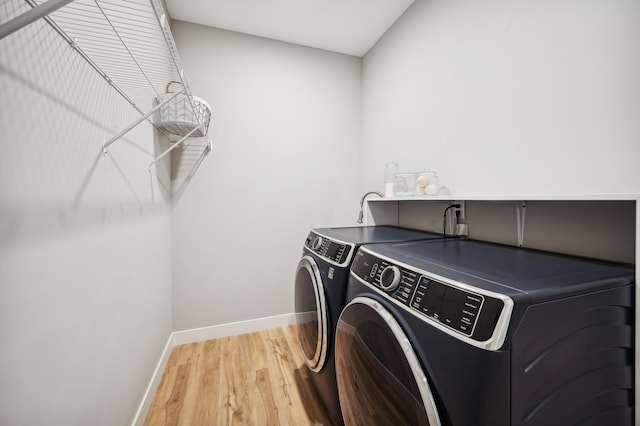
(316, 363)
(410, 355)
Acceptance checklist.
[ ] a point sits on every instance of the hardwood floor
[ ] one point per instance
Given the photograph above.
(252, 379)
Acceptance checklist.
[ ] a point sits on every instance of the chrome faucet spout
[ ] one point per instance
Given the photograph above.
(366, 194)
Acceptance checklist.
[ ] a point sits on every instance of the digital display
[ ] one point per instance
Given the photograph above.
(335, 251)
(455, 308)
(332, 250)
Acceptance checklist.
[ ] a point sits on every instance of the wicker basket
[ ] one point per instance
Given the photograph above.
(178, 116)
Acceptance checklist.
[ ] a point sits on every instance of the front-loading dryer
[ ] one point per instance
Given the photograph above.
(320, 286)
(462, 332)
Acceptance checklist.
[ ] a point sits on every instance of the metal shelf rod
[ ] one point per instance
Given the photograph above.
(174, 146)
(30, 16)
(140, 120)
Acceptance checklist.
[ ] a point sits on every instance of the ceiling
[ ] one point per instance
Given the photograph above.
(345, 26)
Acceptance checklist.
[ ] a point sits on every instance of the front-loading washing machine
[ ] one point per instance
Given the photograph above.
(320, 286)
(462, 332)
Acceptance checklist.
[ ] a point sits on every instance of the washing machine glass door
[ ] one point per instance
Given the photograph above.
(380, 381)
(311, 313)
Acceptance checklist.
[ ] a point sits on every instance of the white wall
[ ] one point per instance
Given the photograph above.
(504, 97)
(286, 158)
(85, 242)
(508, 97)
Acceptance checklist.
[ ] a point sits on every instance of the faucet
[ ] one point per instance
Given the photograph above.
(361, 214)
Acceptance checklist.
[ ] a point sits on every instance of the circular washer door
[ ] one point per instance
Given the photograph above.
(311, 313)
(380, 381)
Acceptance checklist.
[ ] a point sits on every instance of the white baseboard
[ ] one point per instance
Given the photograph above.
(147, 399)
(231, 329)
(198, 335)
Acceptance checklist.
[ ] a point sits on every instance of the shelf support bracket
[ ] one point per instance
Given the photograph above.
(174, 146)
(138, 121)
(520, 221)
(31, 16)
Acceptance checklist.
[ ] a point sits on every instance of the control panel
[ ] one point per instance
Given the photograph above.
(468, 313)
(455, 308)
(335, 251)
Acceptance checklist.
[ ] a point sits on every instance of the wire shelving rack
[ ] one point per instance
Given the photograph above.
(130, 45)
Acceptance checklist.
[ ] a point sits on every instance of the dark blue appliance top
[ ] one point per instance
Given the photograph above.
(512, 271)
(375, 234)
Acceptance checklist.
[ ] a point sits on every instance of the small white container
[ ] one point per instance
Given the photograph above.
(390, 170)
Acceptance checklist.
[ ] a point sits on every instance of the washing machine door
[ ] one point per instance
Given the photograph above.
(311, 313)
(380, 381)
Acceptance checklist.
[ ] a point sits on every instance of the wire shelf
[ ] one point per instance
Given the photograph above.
(129, 43)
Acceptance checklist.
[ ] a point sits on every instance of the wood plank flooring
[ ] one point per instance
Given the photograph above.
(252, 379)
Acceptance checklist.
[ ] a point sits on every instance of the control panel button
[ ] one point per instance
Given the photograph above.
(316, 243)
(374, 270)
(453, 307)
(390, 278)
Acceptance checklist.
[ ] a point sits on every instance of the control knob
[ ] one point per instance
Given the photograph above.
(390, 278)
(316, 243)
